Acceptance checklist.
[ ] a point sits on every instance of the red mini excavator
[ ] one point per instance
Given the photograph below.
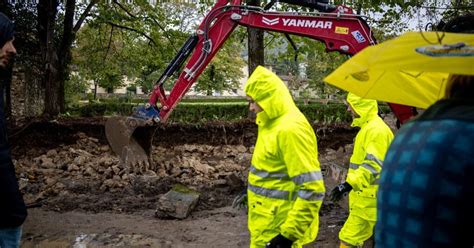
(336, 26)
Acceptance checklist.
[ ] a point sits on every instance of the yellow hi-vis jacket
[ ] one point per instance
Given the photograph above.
(370, 145)
(285, 185)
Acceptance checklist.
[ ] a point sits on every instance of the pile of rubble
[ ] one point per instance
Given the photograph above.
(90, 167)
(87, 175)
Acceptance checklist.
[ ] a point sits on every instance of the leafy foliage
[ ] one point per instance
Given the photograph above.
(318, 65)
(306, 73)
(137, 41)
(224, 71)
(74, 87)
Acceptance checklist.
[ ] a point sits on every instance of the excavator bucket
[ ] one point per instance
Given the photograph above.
(131, 139)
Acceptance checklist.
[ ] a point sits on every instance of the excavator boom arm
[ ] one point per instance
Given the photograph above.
(340, 30)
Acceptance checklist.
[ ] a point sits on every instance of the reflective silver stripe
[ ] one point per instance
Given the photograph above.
(270, 193)
(376, 181)
(370, 168)
(307, 177)
(310, 195)
(373, 158)
(353, 166)
(266, 174)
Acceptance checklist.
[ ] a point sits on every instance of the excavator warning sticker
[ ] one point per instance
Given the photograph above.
(358, 36)
(341, 30)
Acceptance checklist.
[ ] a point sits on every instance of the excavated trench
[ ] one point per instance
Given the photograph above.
(66, 166)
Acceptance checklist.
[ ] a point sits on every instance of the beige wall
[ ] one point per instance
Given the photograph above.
(123, 90)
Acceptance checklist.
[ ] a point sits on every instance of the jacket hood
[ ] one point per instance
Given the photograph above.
(6, 29)
(269, 91)
(367, 109)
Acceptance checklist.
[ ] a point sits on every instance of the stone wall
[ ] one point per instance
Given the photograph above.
(27, 94)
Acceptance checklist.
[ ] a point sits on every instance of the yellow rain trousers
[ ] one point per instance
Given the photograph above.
(370, 146)
(285, 184)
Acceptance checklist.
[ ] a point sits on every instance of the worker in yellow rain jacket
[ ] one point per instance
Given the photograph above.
(285, 185)
(370, 146)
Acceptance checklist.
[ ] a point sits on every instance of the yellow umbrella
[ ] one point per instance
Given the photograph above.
(410, 70)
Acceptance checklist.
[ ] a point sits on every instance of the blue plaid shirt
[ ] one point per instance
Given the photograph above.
(425, 197)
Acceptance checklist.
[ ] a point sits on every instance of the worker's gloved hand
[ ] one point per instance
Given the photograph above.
(339, 191)
(279, 241)
(240, 201)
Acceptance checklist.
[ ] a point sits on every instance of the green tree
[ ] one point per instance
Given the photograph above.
(225, 70)
(306, 67)
(319, 66)
(139, 40)
(100, 56)
(55, 43)
(74, 87)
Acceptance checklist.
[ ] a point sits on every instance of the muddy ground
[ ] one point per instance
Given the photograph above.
(80, 196)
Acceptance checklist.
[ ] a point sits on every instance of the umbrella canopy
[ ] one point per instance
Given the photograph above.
(411, 69)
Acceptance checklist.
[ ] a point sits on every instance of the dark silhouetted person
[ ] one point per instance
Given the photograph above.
(427, 184)
(12, 207)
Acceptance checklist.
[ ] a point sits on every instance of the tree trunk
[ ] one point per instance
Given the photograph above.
(95, 90)
(47, 10)
(65, 56)
(255, 44)
(359, 8)
(56, 57)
